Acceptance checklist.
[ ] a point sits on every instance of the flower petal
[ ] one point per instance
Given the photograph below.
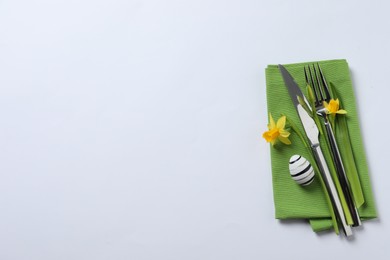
(341, 111)
(326, 106)
(271, 122)
(284, 133)
(284, 140)
(281, 122)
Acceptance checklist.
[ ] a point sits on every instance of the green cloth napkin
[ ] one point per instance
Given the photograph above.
(293, 201)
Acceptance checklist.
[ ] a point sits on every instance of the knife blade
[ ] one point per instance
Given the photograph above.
(312, 133)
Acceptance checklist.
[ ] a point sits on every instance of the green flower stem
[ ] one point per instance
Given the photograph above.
(310, 95)
(332, 214)
(304, 105)
(296, 130)
(332, 121)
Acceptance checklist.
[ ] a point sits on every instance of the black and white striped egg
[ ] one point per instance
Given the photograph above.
(301, 170)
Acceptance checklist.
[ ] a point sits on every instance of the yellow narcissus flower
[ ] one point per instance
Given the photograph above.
(333, 107)
(277, 131)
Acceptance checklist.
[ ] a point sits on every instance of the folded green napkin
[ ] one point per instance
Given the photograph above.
(293, 201)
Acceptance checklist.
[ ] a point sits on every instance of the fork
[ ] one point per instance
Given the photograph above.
(316, 79)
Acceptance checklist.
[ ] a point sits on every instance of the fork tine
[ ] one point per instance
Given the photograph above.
(308, 82)
(326, 88)
(307, 79)
(320, 89)
(314, 87)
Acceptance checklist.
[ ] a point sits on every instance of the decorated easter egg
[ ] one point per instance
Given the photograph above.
(301, 170)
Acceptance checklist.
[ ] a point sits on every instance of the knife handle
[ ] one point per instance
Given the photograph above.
(341, 174)
(331, 188)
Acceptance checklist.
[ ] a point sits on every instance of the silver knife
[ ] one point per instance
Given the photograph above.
(312, 132)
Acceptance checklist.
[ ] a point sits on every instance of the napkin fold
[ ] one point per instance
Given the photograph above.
(291, 200)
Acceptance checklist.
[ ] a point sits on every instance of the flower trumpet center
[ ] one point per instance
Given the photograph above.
(271, 134)
(274, 133)
(333, 106)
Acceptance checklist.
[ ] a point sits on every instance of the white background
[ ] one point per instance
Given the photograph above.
(132, 129)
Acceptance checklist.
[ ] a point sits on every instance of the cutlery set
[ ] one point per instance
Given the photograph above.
(315, 78)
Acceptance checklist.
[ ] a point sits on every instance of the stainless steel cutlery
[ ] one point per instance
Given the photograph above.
(301, 104)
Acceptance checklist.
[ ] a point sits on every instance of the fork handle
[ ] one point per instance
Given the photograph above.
(342, 175)
(331, 188)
